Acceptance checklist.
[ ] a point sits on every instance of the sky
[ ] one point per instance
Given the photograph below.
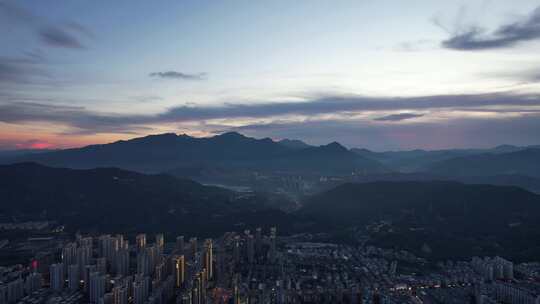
(376, 74)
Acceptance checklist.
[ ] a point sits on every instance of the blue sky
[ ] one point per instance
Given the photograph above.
(359, 72)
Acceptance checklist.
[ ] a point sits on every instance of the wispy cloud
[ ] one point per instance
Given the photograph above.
(413, 46)
(477, 38)
(13, 14)
(20, 69)
(65, 35)
(10, 72)
(30, 67)
(398, 117)
(59, 37)
(179, 75)
(81, 120)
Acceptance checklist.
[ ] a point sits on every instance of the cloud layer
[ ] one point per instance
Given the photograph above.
(20, 70)
(346, 103)
(509, 35)
(345, 106)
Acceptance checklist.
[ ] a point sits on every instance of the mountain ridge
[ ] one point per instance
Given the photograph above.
(163, 152)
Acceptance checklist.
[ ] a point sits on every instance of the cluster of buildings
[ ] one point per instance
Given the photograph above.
(18, 281)
(327, 273)
(256, 267)
(108, 269)
(493, 268)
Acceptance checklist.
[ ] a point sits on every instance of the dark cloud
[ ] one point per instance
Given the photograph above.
(83, 120)
(346, 103)
(66, 35)
(59, 37)
(179, 75)
(15, 15)
(77, 27)
(80, 119)
(509, 35)
(398, 117)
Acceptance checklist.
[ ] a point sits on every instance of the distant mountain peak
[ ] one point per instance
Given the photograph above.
(162, 135)
(231, 134)
(162, 138)
(335, 146)
(507, 148)
(156, 136)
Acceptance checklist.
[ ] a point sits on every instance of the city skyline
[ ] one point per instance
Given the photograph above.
(458, 75)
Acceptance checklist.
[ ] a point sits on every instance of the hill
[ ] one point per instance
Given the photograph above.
(524, 162)
(454, 219)
(110, 199)
(420, 160)
(526, 182)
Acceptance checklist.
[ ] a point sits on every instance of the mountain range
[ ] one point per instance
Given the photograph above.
(232, 158)
(421, 160)
(164, 152)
